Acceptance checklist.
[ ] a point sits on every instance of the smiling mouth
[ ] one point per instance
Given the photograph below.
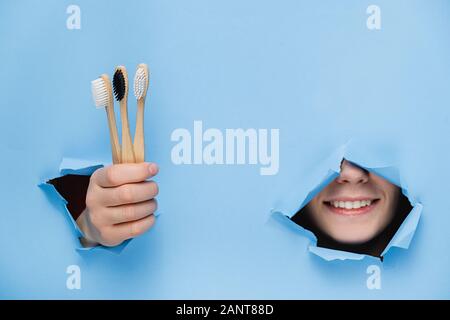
(351, 207)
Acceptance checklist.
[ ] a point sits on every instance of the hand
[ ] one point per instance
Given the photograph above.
(119, 204)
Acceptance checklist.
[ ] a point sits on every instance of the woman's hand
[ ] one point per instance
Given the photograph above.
(119, 204)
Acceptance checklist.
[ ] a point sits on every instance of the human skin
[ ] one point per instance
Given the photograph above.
(355, 207)
(120, 204)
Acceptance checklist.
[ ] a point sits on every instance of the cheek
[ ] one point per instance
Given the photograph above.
(314, 209)
(392, 198)
(316, 214)
(384, 187)
(391, 194)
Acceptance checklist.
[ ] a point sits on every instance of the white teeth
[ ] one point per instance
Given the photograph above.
(350, 204)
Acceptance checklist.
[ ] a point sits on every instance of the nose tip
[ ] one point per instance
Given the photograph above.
(351, 173)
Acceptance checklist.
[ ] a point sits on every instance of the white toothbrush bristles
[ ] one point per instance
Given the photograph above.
(99, 93)
(140, 82)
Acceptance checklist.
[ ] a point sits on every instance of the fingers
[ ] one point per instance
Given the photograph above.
(120, 174)
(131, 212)
(128, 194)
(121, 232)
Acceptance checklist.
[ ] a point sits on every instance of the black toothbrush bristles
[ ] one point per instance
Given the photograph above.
(119, 85)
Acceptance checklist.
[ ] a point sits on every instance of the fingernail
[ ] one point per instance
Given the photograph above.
(153, 168)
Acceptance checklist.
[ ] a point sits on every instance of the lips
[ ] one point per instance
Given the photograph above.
(351, 206)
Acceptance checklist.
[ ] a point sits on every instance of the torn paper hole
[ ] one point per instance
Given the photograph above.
(367, 215)
(69, 169)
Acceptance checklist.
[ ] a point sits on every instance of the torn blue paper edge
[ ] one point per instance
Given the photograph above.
(318, 179)
(78, 167)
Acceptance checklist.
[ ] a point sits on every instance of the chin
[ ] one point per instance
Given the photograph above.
(350, 237)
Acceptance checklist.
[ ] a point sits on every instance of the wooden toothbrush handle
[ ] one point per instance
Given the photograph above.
(127, 144)
(139, 145)
(113, 135)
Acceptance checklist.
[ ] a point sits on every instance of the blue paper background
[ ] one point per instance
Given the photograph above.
(310, 68)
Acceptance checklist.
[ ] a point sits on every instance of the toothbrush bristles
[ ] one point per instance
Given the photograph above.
(119, 85)
(99, 93)
(140, 82)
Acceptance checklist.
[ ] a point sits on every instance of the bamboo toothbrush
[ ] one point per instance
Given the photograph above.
(103, 98)
(141, 80)
(120, 84)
